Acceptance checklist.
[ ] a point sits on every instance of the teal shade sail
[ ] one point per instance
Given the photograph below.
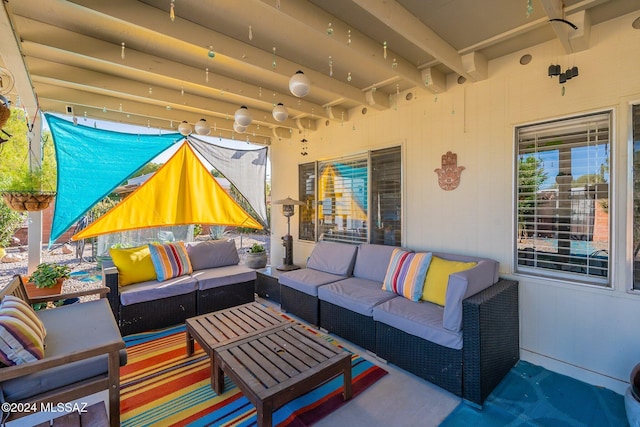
(92, 162)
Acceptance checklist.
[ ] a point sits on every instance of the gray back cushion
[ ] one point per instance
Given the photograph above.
(334, 258)
(372, 261)
(213, 253)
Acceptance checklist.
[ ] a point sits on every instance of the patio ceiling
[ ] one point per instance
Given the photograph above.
(73, 50)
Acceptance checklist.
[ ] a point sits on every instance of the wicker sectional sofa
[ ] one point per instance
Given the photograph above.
(465, 347)
(217, 282)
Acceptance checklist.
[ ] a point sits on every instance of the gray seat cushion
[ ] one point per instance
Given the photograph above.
(222, 276)
(372, 261)
(307, 280)
(333, 258)
(65, 334)
(355, 294)
(153, 290)
(422, 319)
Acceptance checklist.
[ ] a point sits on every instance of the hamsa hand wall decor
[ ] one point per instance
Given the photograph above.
(449, 173)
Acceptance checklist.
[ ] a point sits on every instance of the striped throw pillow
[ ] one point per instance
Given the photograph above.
(21, 332)
(406, 273)
(170, 260)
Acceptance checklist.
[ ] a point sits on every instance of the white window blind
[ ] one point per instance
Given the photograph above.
(307, 194)
(342, 199)
(562, 204)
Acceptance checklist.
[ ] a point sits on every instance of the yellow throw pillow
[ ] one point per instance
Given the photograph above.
(435, 285)
(134, 265)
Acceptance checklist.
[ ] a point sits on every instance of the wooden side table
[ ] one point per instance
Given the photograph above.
(267, 285)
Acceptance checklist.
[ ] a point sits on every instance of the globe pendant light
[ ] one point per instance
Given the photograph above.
(202, 127)
(185, 128)
(280, 112)
(238, 128)
(299, 84)
(243, 117)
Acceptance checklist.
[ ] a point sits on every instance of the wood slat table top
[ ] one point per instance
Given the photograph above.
(273, 361)
(212, 330)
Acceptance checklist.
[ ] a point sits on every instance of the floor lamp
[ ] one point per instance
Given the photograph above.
(288, 209)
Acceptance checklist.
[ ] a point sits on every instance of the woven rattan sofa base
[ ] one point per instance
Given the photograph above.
(437, 364)
(352, 326)
(298, 303)
(156, 314)
(491, 344)
(227, 296)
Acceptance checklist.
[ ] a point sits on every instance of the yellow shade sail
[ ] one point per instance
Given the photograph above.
(181, 192)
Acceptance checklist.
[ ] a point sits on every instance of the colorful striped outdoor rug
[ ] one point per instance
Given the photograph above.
(161, 386)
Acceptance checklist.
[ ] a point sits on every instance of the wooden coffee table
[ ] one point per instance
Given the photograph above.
(222, 327)
(277, 365)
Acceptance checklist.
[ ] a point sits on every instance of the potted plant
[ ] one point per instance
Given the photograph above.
(25, 190)
(47, 279)
(256, 256)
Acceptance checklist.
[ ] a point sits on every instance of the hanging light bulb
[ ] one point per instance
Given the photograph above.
(238, 128)
(280, 112)
(185, 128)
(202, 127)
(299, 84)
(243, 116)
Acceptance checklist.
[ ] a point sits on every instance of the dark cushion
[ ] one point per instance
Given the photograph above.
(71, 328)
(334, 258)
(355, 294)
(213, 253)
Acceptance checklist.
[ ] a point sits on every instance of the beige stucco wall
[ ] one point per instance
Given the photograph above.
(586, 332)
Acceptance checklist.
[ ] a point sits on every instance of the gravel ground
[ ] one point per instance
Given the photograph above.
(84, 270)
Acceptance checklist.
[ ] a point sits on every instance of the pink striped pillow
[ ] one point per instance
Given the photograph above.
(21, 332)
(406, 273)
(170, 260)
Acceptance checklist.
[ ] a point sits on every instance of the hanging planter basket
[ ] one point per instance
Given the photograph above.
(5, 112)
(35, 201)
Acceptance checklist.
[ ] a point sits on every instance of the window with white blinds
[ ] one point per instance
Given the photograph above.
(386, 197)
(342, 199)
(636, 196)
(353, 199)
(307, 194)
(562, 209)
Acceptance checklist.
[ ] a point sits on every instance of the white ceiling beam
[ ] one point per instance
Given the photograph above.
(434, 80)
(135, 20)
(400, 20)
(572, 39)
(156, 116)
(14, 62)
(84, 52)
(362, 50)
